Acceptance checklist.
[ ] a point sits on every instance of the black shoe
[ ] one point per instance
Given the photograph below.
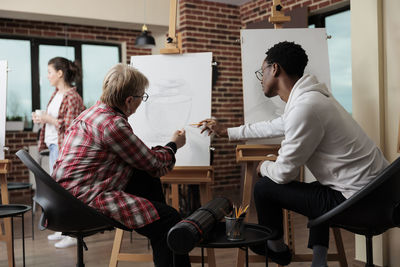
(281, 258)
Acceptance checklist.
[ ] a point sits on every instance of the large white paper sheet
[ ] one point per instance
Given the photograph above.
(3, 99)
(179, 94)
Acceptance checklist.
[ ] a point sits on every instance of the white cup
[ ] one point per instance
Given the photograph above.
(39, 112)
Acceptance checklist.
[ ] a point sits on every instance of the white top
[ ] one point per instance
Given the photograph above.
(51, 134)
(320, 134)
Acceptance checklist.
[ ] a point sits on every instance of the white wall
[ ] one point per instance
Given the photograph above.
(116, 13)
(375, 37)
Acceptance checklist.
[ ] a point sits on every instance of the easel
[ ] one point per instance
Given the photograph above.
(7, 235)
(251, 154)
(200, 175)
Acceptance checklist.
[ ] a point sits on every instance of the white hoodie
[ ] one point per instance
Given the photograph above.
(320, 134)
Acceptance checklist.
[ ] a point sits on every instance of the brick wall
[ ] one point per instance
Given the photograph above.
(205, 27)
(214, 27)
(259, 10)
(19, 173)
(46, 29)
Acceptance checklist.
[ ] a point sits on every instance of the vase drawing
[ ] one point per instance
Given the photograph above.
(168, 107)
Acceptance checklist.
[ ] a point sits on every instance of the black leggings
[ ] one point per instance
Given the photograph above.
(308, 199)
(143, 185)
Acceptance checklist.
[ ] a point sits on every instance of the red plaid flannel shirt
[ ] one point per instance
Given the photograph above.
(71, 106)
(99, 155)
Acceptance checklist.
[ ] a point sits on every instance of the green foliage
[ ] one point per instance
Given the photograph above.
(14, 118)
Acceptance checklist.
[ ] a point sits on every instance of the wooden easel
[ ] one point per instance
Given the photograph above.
(5, 166)
(252, 154)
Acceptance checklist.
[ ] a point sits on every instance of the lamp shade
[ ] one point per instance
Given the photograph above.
(145, 40)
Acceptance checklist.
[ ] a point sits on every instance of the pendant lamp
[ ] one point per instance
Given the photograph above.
(145, 40)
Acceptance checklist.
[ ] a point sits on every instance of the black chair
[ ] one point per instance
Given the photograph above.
(62, 212)
(371, 211)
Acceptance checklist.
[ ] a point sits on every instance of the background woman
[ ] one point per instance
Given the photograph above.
(65, 104)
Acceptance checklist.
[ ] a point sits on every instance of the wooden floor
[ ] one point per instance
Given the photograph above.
(42, 253)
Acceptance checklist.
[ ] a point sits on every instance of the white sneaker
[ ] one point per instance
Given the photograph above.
(66, 242)
(55, 236)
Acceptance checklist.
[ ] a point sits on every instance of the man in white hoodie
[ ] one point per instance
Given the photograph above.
(318, 133)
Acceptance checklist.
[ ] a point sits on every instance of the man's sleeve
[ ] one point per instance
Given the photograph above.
(303, 133)
(263, 129)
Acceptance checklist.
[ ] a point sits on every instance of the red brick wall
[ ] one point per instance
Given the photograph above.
(259, 10)
(208, 26)
(47, 29)
(205, 27)
(16, 141)
(214, 27)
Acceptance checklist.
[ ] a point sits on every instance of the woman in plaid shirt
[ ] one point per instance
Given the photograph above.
(64, 105)
(105, 165)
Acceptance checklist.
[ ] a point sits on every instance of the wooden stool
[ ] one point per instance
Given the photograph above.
(202, 176)
(6, 236)
(251, 155)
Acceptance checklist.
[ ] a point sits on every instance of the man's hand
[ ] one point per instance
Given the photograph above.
(213, 127)
(179, 138)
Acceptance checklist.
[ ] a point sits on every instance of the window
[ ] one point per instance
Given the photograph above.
(19, 93)
(28, 88)
(337, 24)
(93, 72)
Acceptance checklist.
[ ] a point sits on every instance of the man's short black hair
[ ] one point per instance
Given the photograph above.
(290, 56)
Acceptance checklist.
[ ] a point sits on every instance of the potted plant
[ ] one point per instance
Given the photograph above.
(14, 123)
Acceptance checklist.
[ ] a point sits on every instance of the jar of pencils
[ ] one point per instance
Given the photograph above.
(234, 228)
(235, 223)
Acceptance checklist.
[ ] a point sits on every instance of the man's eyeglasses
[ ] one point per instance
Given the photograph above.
(259, 73)
(144, 97)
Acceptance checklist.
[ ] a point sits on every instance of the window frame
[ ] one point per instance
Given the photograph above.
(35, 42)
(319, 19)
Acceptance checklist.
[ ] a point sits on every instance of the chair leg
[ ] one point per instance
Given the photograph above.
(368, 245)
(80, 252)
(33, 218)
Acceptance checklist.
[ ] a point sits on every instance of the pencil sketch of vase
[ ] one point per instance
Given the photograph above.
(168, 108)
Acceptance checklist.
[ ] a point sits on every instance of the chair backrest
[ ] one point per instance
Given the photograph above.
(373, 209)
(61, 210)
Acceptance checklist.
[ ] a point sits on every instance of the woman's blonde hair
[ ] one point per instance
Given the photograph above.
(120, 82)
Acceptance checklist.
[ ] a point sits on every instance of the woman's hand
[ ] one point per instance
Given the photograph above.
(179, 138)
(35, 118)
(44, 118)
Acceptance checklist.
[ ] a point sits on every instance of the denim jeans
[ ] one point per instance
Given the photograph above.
(53, 155)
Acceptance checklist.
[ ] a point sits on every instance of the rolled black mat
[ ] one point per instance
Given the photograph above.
(184, 235)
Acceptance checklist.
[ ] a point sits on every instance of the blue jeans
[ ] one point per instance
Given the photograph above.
(53, 155)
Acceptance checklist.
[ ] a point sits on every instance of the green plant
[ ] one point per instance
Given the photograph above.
(14, 118)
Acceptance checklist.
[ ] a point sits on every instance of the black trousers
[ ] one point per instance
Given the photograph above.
(146, 186)
(308, 199)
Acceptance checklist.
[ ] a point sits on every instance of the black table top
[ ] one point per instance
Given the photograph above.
(12, 210)
(253, 234)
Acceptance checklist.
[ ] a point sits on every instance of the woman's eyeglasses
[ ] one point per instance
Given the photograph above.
(144, 97)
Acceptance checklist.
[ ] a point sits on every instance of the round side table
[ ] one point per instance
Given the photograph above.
(14, 210)
(254, 234)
